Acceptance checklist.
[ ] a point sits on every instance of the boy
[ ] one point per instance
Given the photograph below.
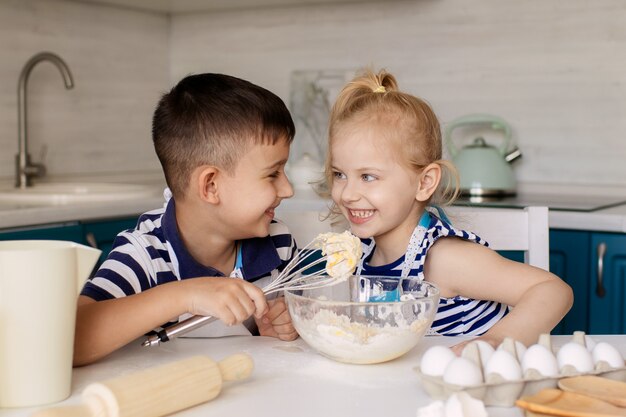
(223, 144)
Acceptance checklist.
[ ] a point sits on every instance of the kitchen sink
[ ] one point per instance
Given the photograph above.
(75, 192)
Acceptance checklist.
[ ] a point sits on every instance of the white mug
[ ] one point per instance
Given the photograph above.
(39, 285)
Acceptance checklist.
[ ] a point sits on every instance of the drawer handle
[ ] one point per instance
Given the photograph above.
(91, 240)
(600, 291)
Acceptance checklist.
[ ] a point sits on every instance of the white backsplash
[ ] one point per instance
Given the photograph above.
(556, 70)
(119, 61)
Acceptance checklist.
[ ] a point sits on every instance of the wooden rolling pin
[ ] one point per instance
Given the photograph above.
(157, 391)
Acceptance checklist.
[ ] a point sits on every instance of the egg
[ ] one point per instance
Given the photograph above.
(463, 372)
(504, 364)
(435, 360)
(542, 360)
(513, 345)
(434, 409)
(485, 350)
(463, 404)
(458, 404)
(590, 343)
(605, 352)
(575, 355)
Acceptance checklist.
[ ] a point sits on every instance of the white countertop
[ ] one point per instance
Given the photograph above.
(18, 215)
(14, 215)
(289, 379)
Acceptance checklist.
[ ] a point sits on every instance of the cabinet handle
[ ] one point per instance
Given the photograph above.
(600, 291)
(91, 240)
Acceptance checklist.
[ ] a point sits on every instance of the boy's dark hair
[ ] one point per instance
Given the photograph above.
(212, 119)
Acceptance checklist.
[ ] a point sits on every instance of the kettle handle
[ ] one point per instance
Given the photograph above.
(496, 123)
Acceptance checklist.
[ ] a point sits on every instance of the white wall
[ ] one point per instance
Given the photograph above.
(556, 70)
(119, 60)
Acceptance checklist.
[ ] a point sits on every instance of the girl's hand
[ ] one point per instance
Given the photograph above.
(231, 300)
(493, 341)
(277, 321)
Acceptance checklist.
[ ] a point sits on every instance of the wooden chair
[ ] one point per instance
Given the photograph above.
(508, 229)
(505, 229)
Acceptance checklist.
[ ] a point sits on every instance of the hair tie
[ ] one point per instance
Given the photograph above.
(380, 89)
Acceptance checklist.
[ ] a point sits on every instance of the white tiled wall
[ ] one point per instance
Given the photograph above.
(119, 60)
(556, 70)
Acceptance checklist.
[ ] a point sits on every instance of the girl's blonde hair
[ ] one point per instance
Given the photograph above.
(376, 94)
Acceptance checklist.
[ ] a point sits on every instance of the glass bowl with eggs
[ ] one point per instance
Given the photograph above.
(364, 319)
(500, 376)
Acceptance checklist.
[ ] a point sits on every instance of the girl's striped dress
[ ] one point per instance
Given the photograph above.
(456, 315)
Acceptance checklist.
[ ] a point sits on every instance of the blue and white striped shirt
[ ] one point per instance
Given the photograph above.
(456, 315)
(153, 254)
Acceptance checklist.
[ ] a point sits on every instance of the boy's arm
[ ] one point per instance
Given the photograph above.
(539, 298)
(104, 326)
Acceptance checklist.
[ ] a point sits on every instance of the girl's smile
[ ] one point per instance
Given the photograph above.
(360, 216)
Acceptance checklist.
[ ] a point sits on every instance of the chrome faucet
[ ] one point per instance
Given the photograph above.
(24, 169)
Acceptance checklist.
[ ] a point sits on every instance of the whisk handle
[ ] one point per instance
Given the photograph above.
(179, 329)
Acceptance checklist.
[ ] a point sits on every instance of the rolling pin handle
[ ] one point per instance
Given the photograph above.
(69, 411)
(236, 367)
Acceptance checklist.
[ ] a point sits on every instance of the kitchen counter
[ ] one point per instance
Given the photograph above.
(19, 215)
(290, 379)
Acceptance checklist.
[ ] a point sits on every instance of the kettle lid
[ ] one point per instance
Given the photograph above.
(493, 122)
(479, 142)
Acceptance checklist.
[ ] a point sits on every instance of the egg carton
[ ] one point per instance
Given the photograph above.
(499, 392)
(504, 393)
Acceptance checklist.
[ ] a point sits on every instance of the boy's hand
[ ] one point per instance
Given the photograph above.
(231, 300)
(277, 321)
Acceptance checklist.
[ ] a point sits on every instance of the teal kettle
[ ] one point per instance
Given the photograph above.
(484, 169)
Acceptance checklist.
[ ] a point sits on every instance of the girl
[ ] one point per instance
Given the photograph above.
(385, 172)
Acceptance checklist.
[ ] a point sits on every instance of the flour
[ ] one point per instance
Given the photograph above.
(337, 337)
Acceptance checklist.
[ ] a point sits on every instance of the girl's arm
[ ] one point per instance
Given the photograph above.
(539, 298)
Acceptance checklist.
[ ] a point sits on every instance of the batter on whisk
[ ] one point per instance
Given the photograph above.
(343, 251)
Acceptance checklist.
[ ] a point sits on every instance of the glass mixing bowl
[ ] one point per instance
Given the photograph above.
(364, 319)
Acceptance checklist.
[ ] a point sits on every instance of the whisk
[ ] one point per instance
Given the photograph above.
(294, 276)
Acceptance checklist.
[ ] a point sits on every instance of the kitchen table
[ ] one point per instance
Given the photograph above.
(290, 379)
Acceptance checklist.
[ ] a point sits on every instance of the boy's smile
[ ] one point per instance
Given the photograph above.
(270, 212)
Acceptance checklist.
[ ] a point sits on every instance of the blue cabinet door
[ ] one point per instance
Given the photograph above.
(63, 231)
(569, 259)
(101, 234)
(608, 283)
